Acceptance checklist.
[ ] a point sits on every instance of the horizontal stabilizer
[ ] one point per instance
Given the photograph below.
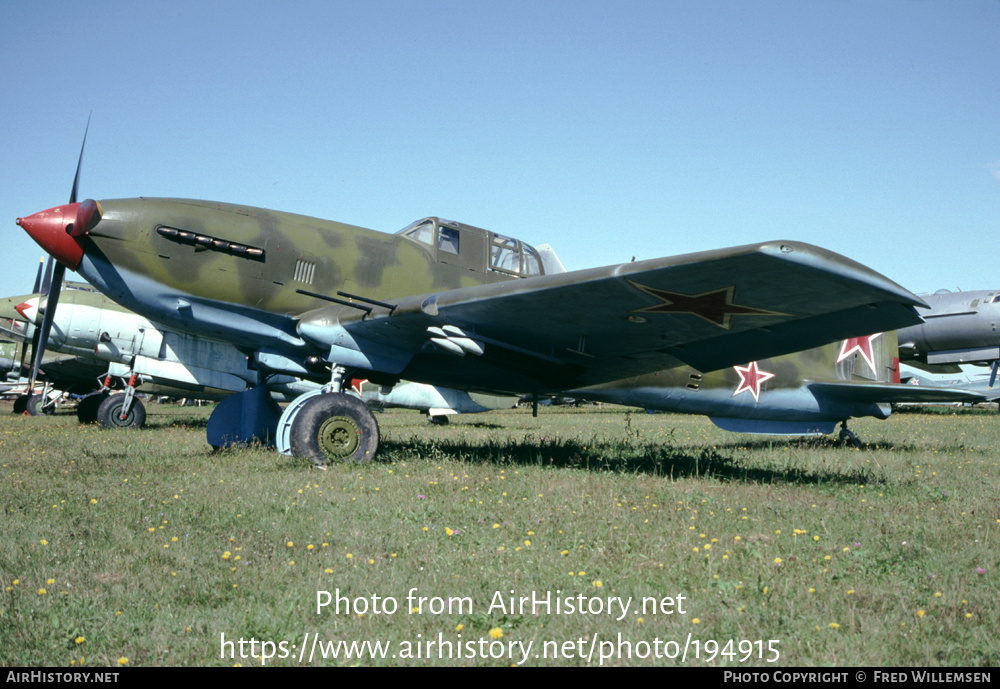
(875, 393)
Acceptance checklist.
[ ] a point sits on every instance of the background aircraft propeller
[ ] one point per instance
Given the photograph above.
(34, 339)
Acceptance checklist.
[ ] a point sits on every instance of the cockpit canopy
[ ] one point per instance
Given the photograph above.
(482, 250)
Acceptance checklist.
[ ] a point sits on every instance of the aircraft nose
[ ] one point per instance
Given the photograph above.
(28, 310)
(12, 312)
(61, 231)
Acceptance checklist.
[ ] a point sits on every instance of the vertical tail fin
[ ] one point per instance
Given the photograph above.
(869, 358)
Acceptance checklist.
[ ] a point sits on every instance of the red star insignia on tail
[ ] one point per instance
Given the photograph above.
(751, 378)
(715, 306)
(861, 345)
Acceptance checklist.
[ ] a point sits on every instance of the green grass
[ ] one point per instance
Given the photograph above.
(149, 547)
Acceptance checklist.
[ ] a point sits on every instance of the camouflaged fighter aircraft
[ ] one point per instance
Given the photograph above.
(442, 303)
(807, 393)
(959, 328)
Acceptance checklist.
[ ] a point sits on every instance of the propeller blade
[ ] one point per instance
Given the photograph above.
(38, 276)
(993, 373)
(54, 286)
(46, 279)
(46, 326)
(79, 162)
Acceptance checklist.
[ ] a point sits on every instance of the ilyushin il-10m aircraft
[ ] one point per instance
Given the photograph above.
(806, 393)
(442, 303)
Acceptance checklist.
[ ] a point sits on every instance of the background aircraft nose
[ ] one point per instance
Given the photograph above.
(61, 230)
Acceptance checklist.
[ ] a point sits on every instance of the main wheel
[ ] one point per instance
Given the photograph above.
(109, 414)
(37, 407)
(334, 428)
(87, 408)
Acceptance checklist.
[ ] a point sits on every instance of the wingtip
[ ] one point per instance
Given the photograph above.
(847, 267)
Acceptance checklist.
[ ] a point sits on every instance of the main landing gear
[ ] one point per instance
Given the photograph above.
(123, 410)
(328, 425)
(39, 404)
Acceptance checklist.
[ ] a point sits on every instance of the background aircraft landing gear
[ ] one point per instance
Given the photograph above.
(849, 438)
(334, 427)
(38, 407)
(113, 412)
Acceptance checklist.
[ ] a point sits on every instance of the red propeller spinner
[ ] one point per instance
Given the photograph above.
(61, 231)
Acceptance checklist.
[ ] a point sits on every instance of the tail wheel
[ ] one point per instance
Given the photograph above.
(334, 428)
(109, 414)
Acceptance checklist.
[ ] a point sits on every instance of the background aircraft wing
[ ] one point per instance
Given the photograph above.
(709, 310)
(66, 371)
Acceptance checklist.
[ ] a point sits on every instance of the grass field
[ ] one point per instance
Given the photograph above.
(144, 548)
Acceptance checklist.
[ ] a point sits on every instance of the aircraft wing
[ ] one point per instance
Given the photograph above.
(66, 370)
(709, 310)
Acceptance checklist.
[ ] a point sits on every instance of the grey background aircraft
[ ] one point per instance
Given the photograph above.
(958, 328)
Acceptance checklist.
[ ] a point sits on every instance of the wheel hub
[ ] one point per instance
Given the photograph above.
(118, 419)
(339, 437)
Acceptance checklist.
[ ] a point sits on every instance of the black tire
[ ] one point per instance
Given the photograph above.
(334, 428)
(440, 420)
(109, 414)
(86, 409)
(21, 404)
(37, 407)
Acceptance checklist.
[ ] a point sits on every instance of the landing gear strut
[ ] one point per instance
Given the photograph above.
(38, 405)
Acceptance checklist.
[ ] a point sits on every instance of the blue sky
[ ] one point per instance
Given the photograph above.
(608, 129)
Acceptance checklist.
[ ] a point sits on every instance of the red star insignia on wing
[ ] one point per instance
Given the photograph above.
(751, 378)
(715, 306)
(861, 345)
